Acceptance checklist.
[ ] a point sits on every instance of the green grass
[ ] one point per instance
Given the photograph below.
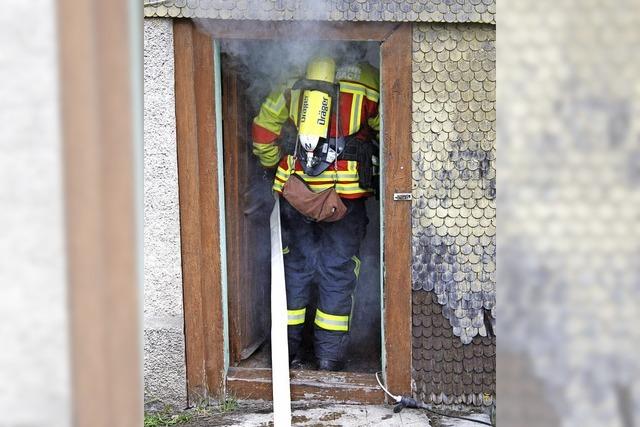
(166, 417)
(229, 404)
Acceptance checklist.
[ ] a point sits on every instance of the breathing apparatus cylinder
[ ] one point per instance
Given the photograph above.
(316, 106)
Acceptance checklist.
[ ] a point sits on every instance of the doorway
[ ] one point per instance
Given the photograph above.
(213, 363)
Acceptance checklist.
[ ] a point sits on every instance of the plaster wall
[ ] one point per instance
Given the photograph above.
(164, 347)
(34, 367)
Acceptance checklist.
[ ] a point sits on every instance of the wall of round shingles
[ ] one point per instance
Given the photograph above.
(454, 211)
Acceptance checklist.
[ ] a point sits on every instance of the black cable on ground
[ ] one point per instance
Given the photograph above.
(408, 402)
(422, 405)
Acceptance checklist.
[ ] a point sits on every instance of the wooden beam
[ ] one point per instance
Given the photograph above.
(211, 288)
(396, 98)
(289, 30)
(189, 198)
(97, 127)
(233, 201)
(334, 387)
(199, 211)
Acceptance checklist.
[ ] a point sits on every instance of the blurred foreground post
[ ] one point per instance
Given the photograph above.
(98, 132)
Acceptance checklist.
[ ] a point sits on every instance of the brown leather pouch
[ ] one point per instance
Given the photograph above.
(324, 206)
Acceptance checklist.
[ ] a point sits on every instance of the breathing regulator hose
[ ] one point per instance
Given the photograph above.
(408, 402)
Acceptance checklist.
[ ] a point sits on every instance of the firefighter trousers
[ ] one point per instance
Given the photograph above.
(323, 254)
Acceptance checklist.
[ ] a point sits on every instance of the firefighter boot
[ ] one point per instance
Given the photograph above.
(330, 365)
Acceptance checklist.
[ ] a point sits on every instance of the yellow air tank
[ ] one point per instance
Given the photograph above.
(316, 106)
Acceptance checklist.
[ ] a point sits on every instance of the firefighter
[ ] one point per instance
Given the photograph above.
(324, 253)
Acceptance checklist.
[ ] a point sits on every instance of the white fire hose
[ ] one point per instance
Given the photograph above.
(279, 343)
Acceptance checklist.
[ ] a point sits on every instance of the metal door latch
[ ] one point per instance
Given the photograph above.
(401, 196)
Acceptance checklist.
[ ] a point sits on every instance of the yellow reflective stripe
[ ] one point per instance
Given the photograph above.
(356, 89)
(328, 176)
(357, 263)
(285, 250)
(350, 87)
(356, 108)
(295, 321)
(356, 123)
(327, 316)
(296, 317)
(350, 191)
(331, 322)
(353, 188)
(282, 175)
(372, 95)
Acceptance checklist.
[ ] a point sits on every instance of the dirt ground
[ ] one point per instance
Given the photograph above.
(310, 414)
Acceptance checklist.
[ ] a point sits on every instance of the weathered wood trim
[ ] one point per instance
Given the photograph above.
(233, 223)
(189, 199)
(98, 148)
(396, 98)
(211, 289)
(300, 30)
(199, 215)
(337, 387)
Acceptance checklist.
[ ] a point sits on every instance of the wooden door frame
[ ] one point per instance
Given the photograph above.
(200, 216)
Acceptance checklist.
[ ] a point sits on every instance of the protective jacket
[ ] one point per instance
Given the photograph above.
(358, 117)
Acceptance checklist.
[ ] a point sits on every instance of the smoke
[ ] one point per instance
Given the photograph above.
(267, 64)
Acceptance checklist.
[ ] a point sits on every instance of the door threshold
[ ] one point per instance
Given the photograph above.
(337, 387)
